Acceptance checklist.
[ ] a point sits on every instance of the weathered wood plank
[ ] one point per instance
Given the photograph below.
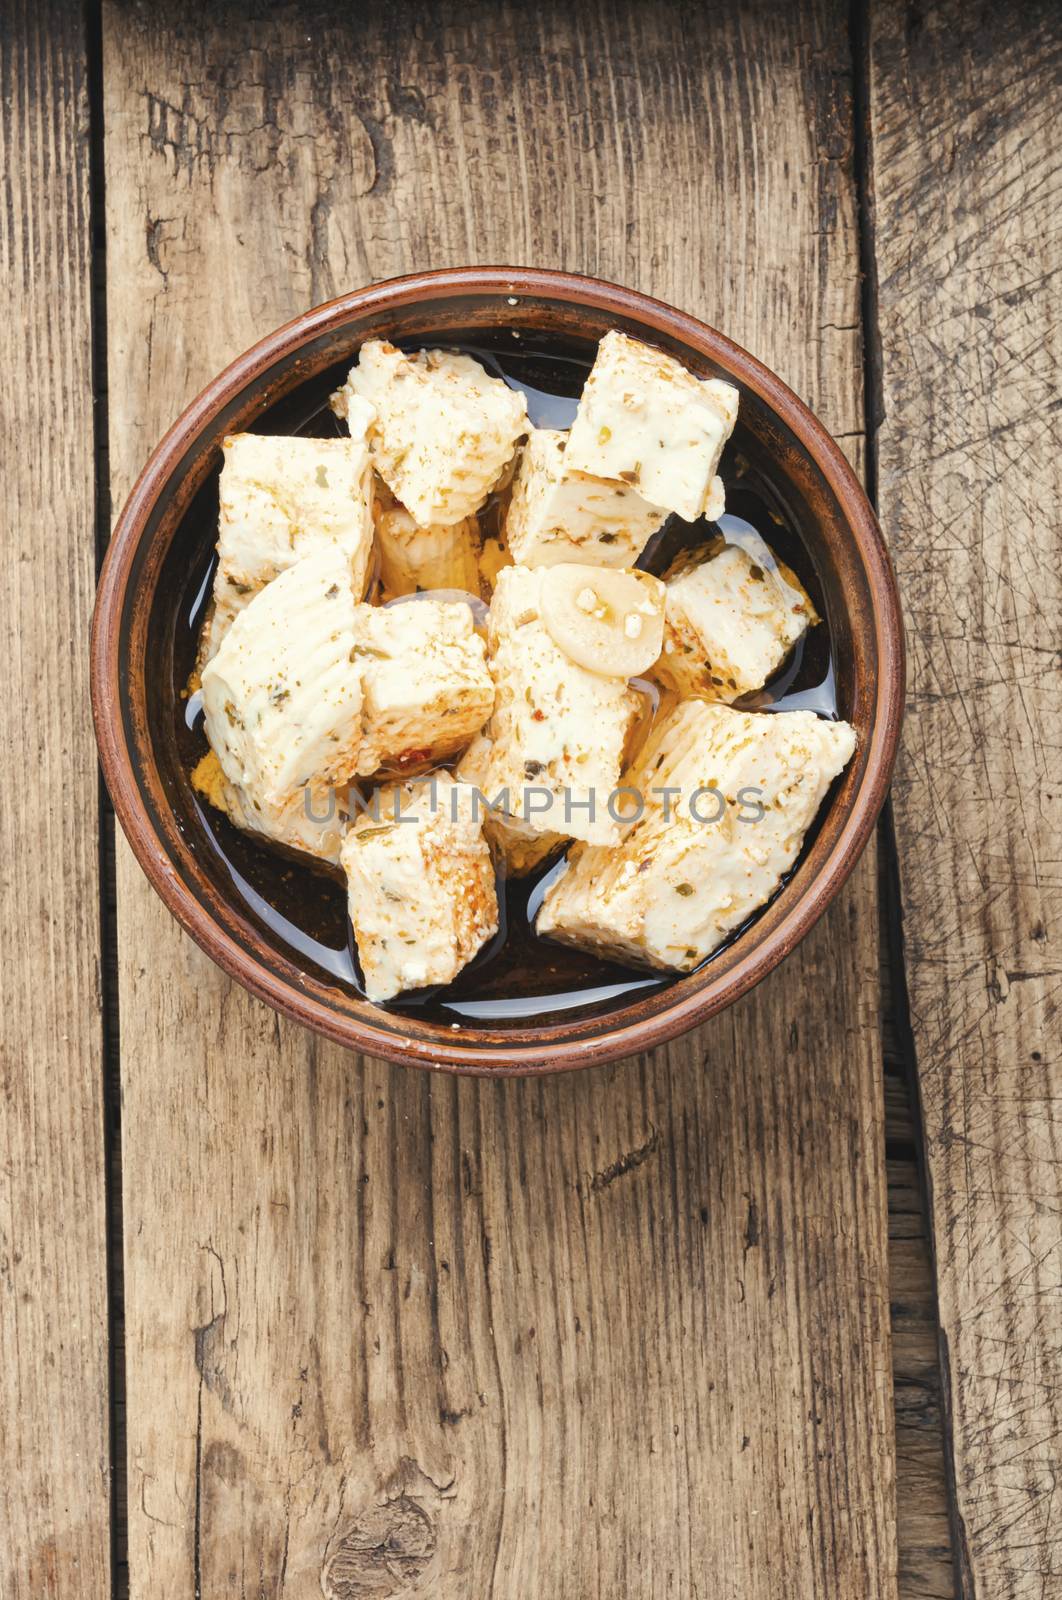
(623, 1332)
(54, 1486)
(968, 200)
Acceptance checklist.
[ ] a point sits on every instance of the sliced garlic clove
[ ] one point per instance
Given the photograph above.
(609, 620)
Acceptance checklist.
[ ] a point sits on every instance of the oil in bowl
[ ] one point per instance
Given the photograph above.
(300, 907)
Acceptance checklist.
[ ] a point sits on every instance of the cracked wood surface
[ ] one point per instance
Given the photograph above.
(968, 197)
(619, 1332)
(54, 1489)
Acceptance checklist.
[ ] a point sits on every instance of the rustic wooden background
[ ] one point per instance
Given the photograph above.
(277, 1321)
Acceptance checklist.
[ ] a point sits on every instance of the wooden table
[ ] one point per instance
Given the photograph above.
(277, 1321)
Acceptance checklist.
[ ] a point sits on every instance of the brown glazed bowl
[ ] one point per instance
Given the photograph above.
(159, 555)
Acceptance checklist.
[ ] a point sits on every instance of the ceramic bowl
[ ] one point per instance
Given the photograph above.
(159, 558)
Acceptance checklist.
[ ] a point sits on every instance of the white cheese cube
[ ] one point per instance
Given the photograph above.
(425, 682)
(415, 559)
(681, 881)
(420, 886)
(444, 430)
(646, 420)
(557, 514)
(282, 498)
(312, 824)
(283, 696)
(732, 615)
(517, 846)
(558, 731)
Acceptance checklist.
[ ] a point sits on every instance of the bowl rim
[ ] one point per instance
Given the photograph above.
(557, 1053)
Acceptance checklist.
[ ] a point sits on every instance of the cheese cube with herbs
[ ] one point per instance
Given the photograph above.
(517, 846)
(558, 731)
(733, 613)
(699, 862)
(646, 421)
(282, 498)
(426, 686)
(311, 824)
(444, 430)
(415, 559)
(283, 695)
(420, 886)
(558, 514)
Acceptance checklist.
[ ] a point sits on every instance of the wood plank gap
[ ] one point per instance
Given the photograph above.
(859, 40)
(111, 1076)
(895, 998)
(892, 908)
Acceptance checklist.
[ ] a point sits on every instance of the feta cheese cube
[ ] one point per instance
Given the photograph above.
(426, 686)
(646, 420)
(283, 695)
(311, 824)
(420, 886)
(732, 615)
(414, 559)
(681, 881)
(517, 846)
(557, 514)
(444, 430)
(282, 498)
(558, 731)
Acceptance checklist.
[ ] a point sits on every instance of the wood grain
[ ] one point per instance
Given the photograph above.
(968, 198)
(54, 1453)
(623, 1332)
(923, 1535)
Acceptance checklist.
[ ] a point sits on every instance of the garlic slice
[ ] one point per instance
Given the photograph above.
(608, 620)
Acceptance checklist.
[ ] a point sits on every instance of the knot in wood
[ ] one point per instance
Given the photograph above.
(383, 1552)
